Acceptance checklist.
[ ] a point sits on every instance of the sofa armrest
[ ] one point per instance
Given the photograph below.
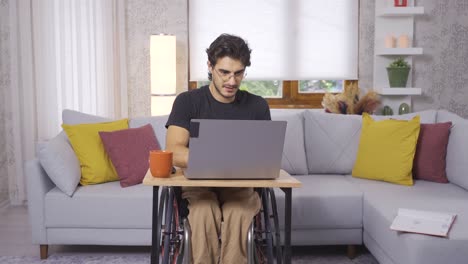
(38, 184)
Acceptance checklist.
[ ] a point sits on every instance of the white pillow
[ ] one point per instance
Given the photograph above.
(457, 148)
(57, 156)
(427, 116)
(331, 142)
(61, 164)
(72, 117)
(294, 157)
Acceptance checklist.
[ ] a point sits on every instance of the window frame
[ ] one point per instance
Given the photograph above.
(291, 96)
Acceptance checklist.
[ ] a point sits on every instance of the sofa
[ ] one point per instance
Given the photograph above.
(331, 208)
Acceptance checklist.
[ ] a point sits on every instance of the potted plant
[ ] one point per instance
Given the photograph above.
(398, 71)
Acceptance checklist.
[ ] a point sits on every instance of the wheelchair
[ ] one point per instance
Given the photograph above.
(174, 234)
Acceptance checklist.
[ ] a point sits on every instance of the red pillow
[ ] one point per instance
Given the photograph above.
(431, 151)
(128, 150)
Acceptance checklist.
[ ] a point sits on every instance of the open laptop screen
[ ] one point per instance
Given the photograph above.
(235, 149)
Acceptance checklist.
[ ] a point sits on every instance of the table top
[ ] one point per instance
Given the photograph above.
(178, 179)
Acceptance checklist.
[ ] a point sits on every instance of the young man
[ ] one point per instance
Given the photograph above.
(228, 57)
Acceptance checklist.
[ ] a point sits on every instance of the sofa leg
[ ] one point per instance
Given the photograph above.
(44, 249)
(351, 251)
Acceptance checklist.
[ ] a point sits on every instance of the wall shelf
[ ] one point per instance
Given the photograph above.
(399, 51)
(395, 22)
(398, 91)
(401, 11)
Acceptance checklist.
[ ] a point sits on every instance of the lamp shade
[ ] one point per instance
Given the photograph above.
(161, 105)
(163, 64)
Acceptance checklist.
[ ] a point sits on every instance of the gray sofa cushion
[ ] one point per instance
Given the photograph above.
(294, 157)
(72, 117)
(445, 116)
(158, 123)
(381, 202)
(331, 142)
(61, 164)
(457, 148)
(323, 202)
(427, 116)
(104, 205)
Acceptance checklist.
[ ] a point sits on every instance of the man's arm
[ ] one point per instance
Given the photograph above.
(177, 140)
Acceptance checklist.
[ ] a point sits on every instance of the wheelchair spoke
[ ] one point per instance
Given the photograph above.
(172, 231)
(160, 226)
(279, 255)
(168, 226)
(266, 214)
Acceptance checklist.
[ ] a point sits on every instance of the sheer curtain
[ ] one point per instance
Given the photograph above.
(66, 54)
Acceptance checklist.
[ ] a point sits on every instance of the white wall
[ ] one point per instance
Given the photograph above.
(442, 71)
(4, 83)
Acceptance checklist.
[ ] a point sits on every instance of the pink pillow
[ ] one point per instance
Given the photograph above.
(431, 151)
(128, 150)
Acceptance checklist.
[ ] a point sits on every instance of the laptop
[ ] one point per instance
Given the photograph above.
(235, 149)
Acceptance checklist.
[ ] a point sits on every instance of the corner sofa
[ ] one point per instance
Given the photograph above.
(332, 207)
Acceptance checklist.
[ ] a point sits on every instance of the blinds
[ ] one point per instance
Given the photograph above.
(290, 39)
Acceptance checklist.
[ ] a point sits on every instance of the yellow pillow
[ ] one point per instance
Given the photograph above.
(96, 166)
(386, 150)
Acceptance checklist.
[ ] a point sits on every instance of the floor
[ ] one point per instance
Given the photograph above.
(15, 240)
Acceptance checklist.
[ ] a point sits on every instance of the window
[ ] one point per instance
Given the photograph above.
(320, 86)
(291, 40)
(289, 94)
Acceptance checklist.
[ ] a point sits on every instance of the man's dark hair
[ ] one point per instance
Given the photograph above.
(230, 46)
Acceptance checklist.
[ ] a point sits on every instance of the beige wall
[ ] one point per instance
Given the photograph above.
(4, 83)
(442, 72)
(143, 18)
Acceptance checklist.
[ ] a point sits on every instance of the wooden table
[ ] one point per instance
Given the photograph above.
(285, 181)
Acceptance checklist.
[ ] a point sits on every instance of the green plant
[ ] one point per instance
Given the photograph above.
(399, 63)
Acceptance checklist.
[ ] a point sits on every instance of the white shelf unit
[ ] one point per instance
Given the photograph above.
(399, 51)
(396, 21)
(401, 11)
(399, 91)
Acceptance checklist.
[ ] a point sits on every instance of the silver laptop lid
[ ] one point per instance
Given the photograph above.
(235, 149)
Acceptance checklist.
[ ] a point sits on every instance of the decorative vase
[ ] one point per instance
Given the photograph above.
(403, 41)
(387, 110)
(400, 3)
(398, 77)
(404, 109)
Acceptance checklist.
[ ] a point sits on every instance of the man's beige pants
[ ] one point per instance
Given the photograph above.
(208, 206)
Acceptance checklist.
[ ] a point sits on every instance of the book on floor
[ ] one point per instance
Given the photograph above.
(423, 222)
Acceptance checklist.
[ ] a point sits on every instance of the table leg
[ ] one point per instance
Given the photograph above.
(154, 233)
(287, 227)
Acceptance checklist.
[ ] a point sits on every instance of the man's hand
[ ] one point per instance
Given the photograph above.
(177, 140)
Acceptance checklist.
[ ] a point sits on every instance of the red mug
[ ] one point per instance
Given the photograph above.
(160, 162)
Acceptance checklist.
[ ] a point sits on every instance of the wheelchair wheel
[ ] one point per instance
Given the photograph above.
(160, 225)
(171, 230)
(266, 238)
(277, 237)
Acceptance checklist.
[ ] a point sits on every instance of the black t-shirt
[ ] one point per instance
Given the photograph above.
(200, 104)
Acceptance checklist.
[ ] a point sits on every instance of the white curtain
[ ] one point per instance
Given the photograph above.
(66, 54)
(290, 39)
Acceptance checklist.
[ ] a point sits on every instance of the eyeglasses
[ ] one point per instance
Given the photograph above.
(226, 75)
